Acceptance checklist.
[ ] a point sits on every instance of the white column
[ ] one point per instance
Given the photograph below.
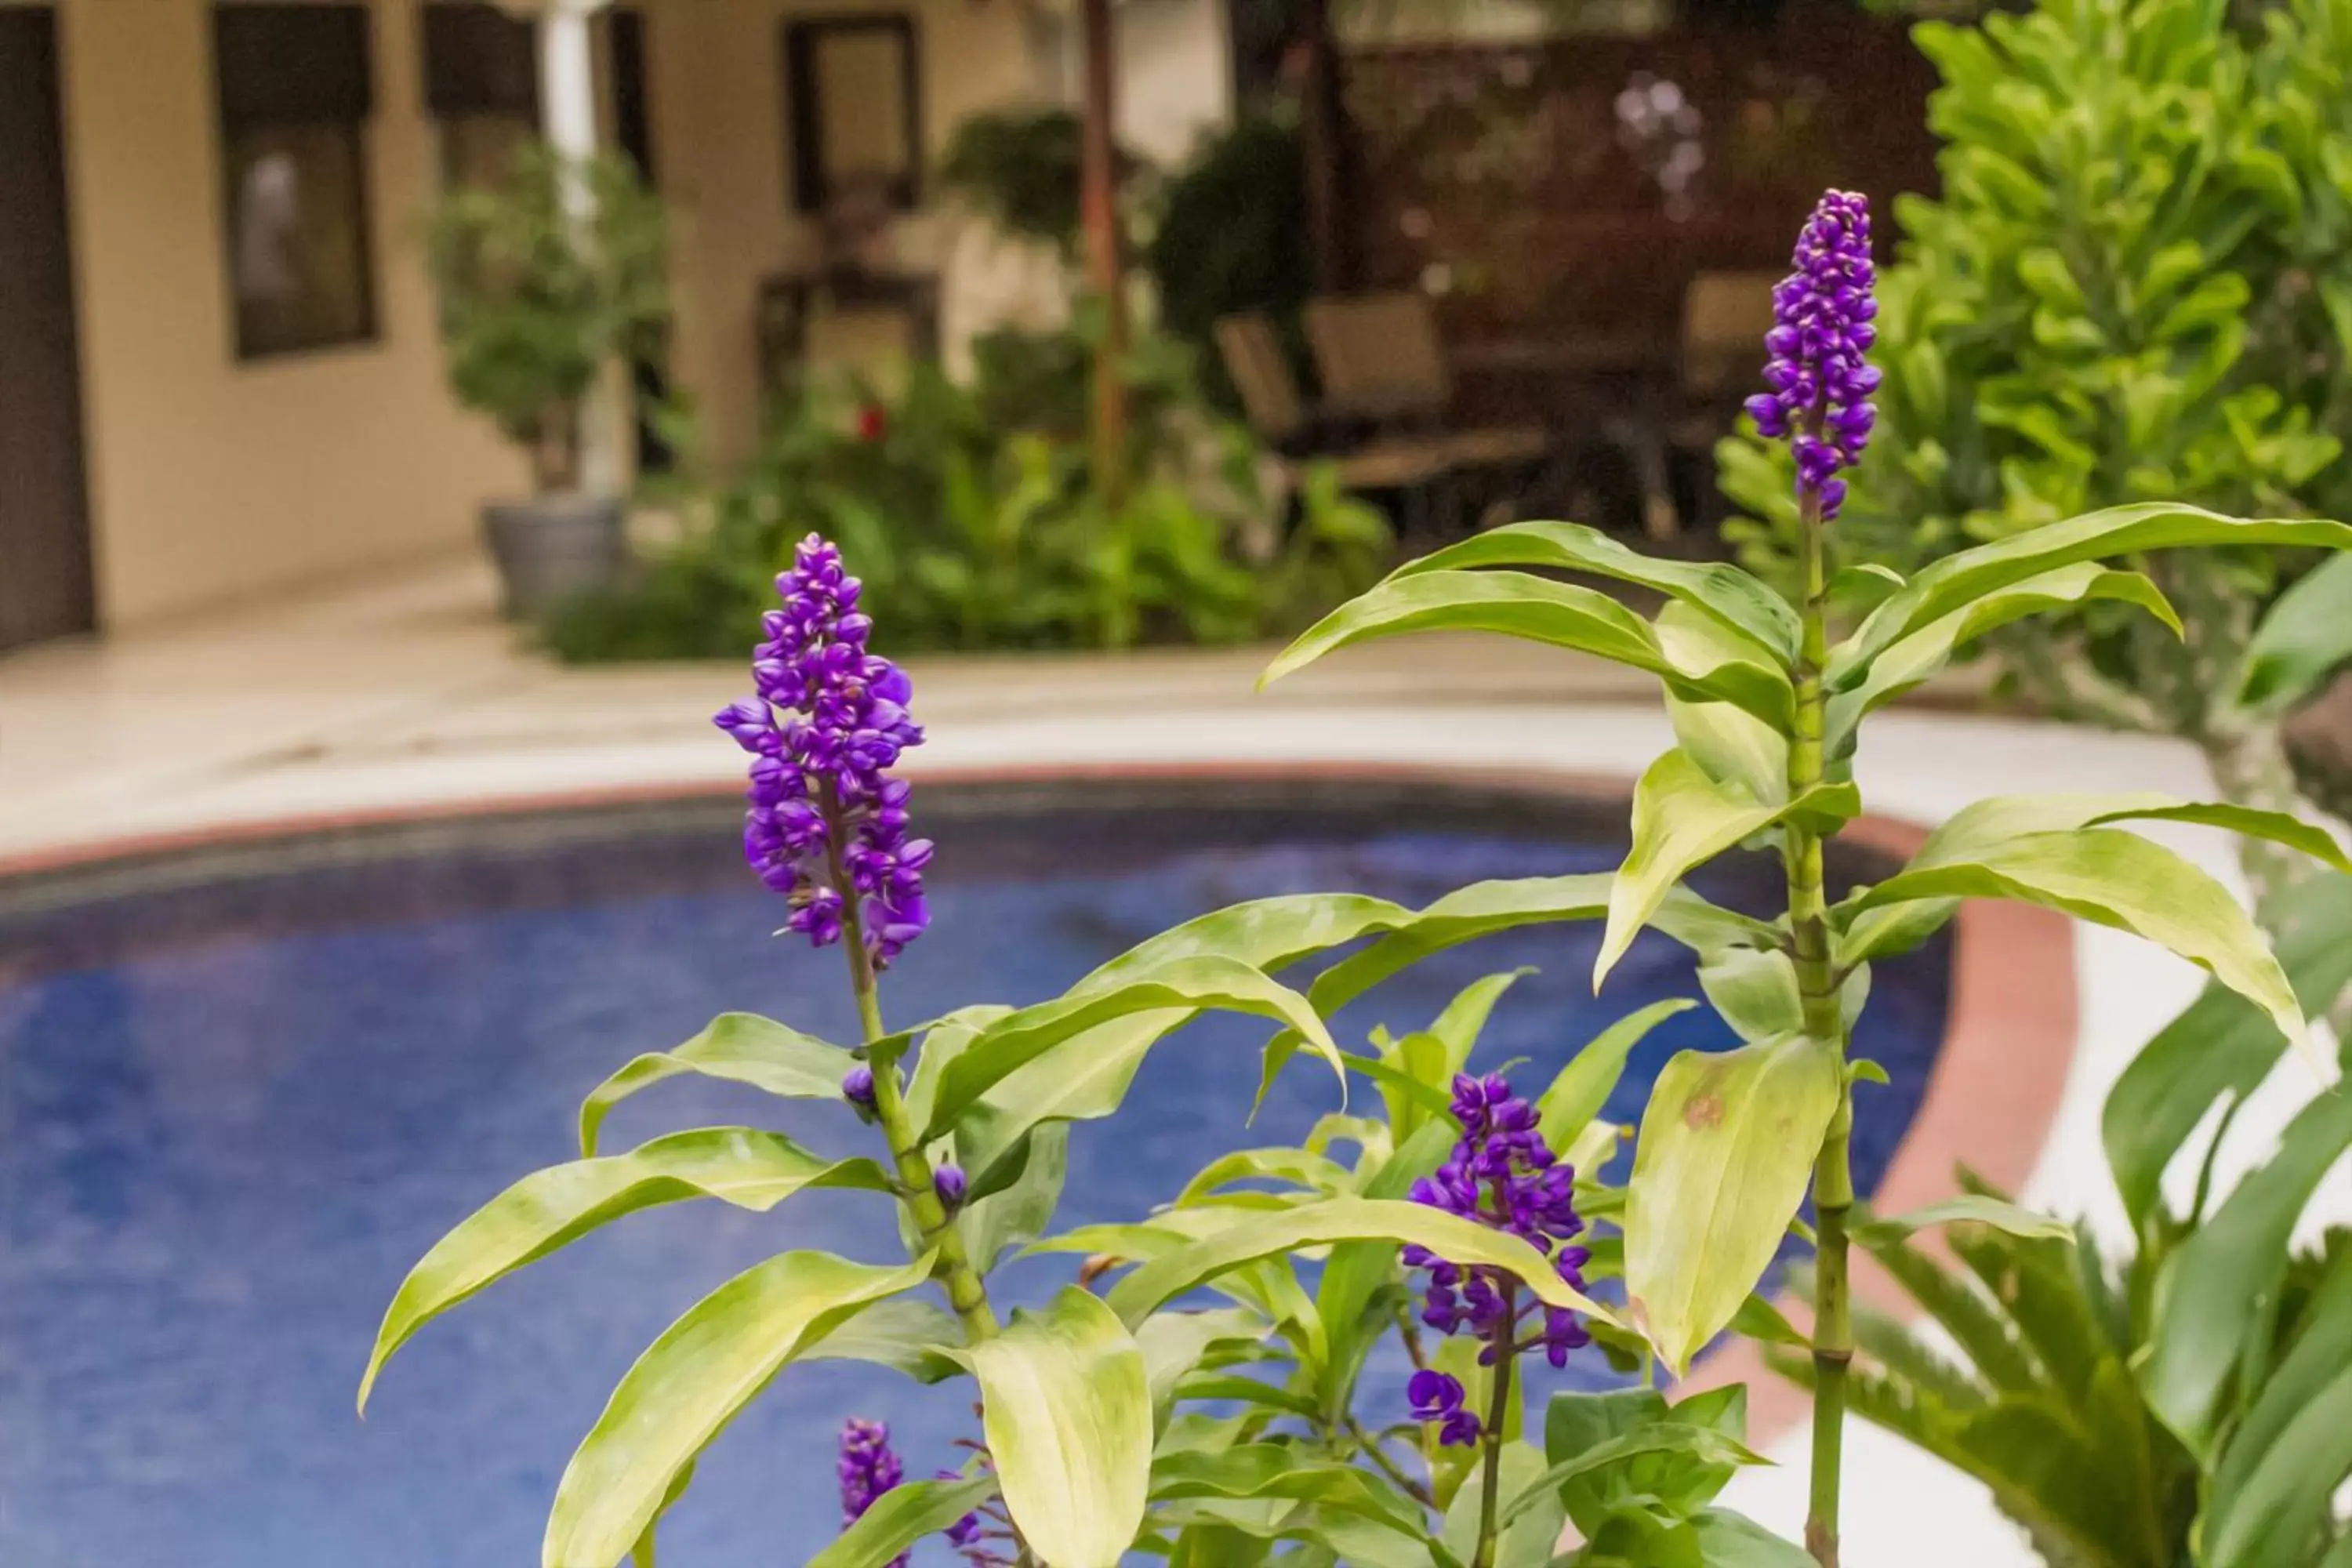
(567, 94)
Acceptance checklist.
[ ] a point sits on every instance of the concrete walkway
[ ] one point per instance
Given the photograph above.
(408, 694)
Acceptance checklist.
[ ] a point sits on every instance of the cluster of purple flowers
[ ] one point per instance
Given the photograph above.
(1820, 383)
(867, 1467)
(827, 723)
(1502, 1175)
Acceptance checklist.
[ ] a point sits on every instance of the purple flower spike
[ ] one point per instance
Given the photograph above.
(1504, 1177)
(948, 1181)
(866, 1470)
(1438, 1397)
(1819, 382)
(828, 721)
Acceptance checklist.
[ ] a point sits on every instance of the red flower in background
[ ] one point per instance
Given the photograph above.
(872, 423)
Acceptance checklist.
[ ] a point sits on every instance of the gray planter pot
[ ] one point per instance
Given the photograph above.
(553, 547)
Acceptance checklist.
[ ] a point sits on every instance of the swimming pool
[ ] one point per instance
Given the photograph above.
(242, 1089)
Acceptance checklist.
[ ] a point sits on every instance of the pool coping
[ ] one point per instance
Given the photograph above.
(2009, 1035)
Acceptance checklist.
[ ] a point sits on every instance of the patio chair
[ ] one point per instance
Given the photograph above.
(1380, 359)
(1418, 469)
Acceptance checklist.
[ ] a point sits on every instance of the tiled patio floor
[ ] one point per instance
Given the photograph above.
(408, 694)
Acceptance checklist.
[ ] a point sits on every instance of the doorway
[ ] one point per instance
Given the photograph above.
(46, 588)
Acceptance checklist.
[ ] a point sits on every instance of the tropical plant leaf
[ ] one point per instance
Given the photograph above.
(2222, 1044)
(1583, 1087)
(943, 1043)
(1537, 609)
(2112, 878)
(1457, 1029)
(1459, 1240)
(1974, 1321)
(1727, 595)
(1173, 1343)
(1532, 1534)
(2213, 1290)
(900, 1518)
(550, 1208)
(904, 1334)
(1018, 1214)
(1155, 1001)
(1917, 658)
(1270, 934)
(1726, 1147)
(1732, 747)
(2304, 638)
(1728, 1540)
(1355, 1271)
(1683, 818)
(1986, 823)
(1956, 580)
(1283, 1470)
(1295, 1167)
(741, 1048)
(1702, 1444)
(1969, 1209)
(2292, 1452)
(691, 1383)
(1756, 991)
(1066, 1411)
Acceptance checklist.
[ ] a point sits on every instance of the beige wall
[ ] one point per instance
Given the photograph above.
(716, 80)
(213, 479)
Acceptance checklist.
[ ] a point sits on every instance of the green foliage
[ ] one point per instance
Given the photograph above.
(970, 513)
(1232, 232)
(537, 303)
(1018, 169)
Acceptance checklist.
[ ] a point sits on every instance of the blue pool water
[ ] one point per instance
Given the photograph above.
(239, 1097)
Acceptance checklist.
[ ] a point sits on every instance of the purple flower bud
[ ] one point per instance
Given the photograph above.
(948, 1181)
(858, 1088)
(1437, 1397)
(1819, 385)
(828, 720)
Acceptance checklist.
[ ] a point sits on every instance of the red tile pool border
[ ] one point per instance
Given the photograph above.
(2009, 1039)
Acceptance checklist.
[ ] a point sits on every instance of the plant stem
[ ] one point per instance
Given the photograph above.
(940, 1234)
(1817, 984)
(1371, 1445)
(1498, 1409)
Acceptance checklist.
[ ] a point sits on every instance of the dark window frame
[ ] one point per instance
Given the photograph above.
(804, 37)
(284, 95)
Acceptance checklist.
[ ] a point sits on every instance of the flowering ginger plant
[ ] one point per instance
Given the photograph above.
(1114, 1420)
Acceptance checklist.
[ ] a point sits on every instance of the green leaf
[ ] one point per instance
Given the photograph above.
(943, 1043)
(1294, 1166)
(2292, 1452)
(1728, 1540)
(1727, 595)
(2302, 639)
(1066, 1411)
(1725, 1150)
(2222, 1044)
(1683, 818)
(2220, 1284)
(900, 1518)
(1150, 1004)
(1532, 1532)
(691, 1383)
(1465, 1019)
(1992, 822)
(1756, 991)
(1535, 608)
(1267, 932)
(904, 1334)
(741, 1048)
(1019, 1212)
(2115, 879)
(1583, 1087)
(1703, 1444)
(1972, 1209)
(1920, 656)
(1459, 1240)
(1956, 580)
(1282, 1470)
(1356, 1271)
(1173, 1343)
(548, 1209)
(1732, 747)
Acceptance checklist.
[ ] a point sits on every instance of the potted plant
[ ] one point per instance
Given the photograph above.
(539, 296)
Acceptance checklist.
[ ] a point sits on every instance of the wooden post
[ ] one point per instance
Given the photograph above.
(1099, 219)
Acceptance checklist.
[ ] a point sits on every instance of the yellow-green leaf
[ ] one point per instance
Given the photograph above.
(741, 1048)
(550, 1208)
(691, 1383)
(1066, 1410)
(1725, 1150)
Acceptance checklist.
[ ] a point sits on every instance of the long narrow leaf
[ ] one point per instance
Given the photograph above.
(741, 1048)
(691, 1383)
(548, 1209)
(900, 1518)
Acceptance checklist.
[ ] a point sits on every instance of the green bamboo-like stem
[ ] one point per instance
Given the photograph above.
(936, 1225)
(1817, 984)
(1498, 1410)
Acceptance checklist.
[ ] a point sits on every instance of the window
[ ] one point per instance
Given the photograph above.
(855, 87)
(295, 96)
(481, 87)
